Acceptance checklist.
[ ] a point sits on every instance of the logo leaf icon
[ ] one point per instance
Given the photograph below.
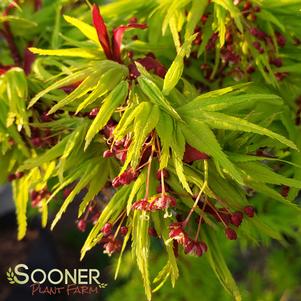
(10, 276)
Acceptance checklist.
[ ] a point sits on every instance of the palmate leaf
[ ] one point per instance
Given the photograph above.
(144, 123)
(110, 104)
(110, 213)
(99, 67)
(211, 102)
(222, 121)
(107, 82)
(95, 186)
(262, 173)
(87, 176)
(200, 136)
(86, 86)
(151, 90)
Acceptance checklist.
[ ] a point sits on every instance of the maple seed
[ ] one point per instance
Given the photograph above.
(249, 211)
(231, 234)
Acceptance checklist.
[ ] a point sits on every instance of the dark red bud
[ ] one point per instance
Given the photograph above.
(124, 230)
(249, 211)
(81, 225)
(231, 234)
(107, 229)
(236, 218)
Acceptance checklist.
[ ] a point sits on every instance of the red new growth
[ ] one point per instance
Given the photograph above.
(102, 31)
(113, 51)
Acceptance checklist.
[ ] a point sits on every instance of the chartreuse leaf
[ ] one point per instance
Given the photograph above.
(263, 174)
(76, 77)
(207, 33)
(219, 266)
(88, 30)
(222, 121)
(140, 246)
(74, 143)
(175, 71)
(220, 19)
(17, 92)
(193, 18)
(20, 196)
(200, 136)
(178, 148)
(139, 183)
(106, 83)
(71, 79)
(86, 53)
(90, 172)
(110, 104)
(51, 154)
(165, 128)
(171, 268)
(95, 186)
(144, 123)
(151, 90)
(87, 85)
(111, 212)
(217, 103)
(173, 6)
(233, 10)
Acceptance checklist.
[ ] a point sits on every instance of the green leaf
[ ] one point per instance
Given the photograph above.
(155, 95)
(86, 53)
(261, 173)
(71, 79)
(222, 121)
(91, 170)
(219, 266)
(175, 71)
(178, 149)
(110, 104)
(106, 83)
(110, 212)
(140, 245)
(95, 186)
(87, 85)
(193, 18)
(200, 136)
(165, 128)
(88, 30)
(144, 124)
(20, 196)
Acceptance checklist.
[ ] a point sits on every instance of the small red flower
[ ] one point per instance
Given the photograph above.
(162, 203)
(141, 205)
